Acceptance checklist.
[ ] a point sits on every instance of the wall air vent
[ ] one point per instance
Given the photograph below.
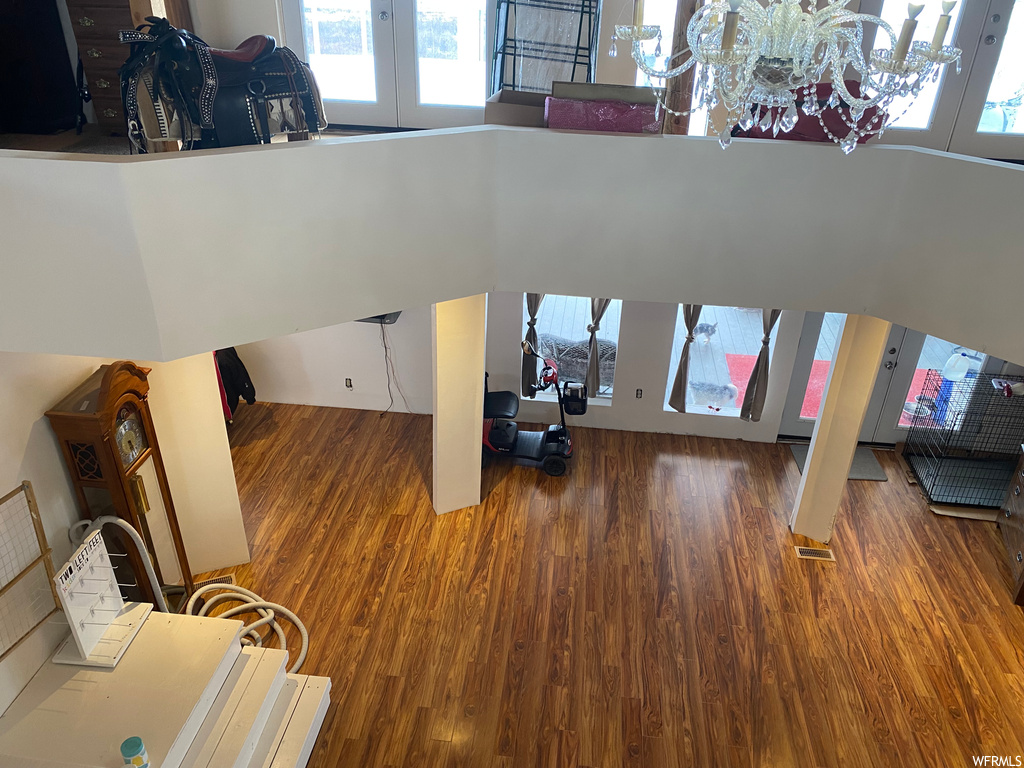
(810, 553)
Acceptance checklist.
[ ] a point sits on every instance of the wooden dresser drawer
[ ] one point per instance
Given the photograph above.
(110, 112)
(104, 83)
(103, 54)
(99, 23)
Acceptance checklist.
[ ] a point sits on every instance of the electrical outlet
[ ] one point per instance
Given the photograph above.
(348, 383)
(639, 394)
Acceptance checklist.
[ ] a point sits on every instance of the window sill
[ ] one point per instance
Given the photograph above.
(548, 397)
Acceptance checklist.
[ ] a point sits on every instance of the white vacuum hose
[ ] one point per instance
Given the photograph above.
(98, 523)
(251, 603)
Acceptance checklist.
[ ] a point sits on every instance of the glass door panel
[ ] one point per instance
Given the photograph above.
(350, 45)
(991, 120)
(442, 63)
(1002, 111)
(818, 341)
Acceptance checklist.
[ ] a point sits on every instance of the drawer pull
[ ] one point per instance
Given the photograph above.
(1020, 557)
(85, 21)
(96, 53)
(108, 112)
(101, 83)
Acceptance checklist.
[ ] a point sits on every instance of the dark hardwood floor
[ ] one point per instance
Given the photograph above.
(645, 610)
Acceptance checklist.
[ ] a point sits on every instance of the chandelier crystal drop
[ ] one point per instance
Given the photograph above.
(752, 57)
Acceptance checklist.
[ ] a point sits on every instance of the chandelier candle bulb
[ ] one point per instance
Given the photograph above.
(732, 21)
(907, 33)
(943, 26)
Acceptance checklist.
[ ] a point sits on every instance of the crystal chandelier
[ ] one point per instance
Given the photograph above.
(758, 61)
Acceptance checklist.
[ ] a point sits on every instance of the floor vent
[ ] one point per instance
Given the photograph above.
(810, 553)
(228, 580)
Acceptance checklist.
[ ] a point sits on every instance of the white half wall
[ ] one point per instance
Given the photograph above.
(310, 368)
(288, 238)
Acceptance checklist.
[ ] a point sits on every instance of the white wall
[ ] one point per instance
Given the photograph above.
(226, 23)
(185, 401)
(186, 410)
(310, 368)
(643, 361)
(29, 385)
(312, 234)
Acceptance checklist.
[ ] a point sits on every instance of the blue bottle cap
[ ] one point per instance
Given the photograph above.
(132, 747)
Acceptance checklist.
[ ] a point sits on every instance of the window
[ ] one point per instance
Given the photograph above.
(722, 358)
(562, 335)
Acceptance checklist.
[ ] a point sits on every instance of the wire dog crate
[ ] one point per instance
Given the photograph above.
(965, 438)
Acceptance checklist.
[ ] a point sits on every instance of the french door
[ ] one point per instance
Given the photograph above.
(897, 395)
(974, 111)
(395, 63)
(991, 118)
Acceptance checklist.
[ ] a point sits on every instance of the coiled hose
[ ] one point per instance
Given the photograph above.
(250, 603)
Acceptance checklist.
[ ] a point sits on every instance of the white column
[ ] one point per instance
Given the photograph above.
(459, 332)
(851, 380)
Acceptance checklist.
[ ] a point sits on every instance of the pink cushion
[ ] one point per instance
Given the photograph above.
(614, 116)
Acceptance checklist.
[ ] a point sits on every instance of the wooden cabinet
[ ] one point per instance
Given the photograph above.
(1011, 523)
(96, 24)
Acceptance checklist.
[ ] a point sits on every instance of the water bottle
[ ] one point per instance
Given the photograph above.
(957, 367)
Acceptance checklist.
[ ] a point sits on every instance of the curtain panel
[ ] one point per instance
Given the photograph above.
(529, 373)
(597, 309)
(757, 387)
(691, 316)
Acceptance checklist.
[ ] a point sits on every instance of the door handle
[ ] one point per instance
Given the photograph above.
(383, 16)
(889, 365)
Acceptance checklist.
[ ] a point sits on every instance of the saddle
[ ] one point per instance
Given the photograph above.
(177, 88)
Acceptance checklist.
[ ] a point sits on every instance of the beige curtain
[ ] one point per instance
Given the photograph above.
(597, 310)
(757, 387)
(529, 375)
(691, 316)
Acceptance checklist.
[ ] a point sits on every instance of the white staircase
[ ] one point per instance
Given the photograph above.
(187, 688)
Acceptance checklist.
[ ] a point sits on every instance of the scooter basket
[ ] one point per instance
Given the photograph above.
(574, 398)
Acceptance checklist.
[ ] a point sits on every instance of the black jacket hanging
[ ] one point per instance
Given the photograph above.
(234, 378)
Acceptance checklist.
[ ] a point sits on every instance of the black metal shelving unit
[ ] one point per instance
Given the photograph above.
(572, 28)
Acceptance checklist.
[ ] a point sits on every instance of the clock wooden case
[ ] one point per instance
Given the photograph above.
(108, 440)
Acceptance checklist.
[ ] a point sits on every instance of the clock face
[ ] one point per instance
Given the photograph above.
(129, 435)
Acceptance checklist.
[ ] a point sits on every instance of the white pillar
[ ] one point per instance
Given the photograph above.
(851, 380)
(459, 332)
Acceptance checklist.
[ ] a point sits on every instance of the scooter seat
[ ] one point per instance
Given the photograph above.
(501, 405)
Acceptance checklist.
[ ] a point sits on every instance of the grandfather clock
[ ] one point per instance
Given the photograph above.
(106, 434)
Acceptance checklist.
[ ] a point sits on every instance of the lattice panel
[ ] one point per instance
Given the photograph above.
(24, 606)
(27, 595)
(19, 545)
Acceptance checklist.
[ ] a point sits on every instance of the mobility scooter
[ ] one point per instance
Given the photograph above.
(550, 448)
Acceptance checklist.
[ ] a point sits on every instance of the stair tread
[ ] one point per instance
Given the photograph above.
(229, 735)
(308, 715)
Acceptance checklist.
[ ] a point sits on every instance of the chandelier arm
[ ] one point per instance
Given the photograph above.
(641, 63)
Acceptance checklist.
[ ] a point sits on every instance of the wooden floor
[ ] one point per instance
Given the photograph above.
(646, 610)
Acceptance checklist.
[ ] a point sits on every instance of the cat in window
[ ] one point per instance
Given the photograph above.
(707, 330)
(714, 396)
